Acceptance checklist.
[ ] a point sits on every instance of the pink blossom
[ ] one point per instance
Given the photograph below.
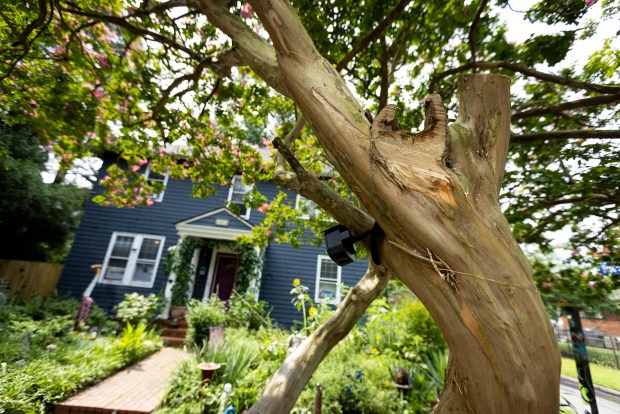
(104, 61)
(90, 134)
(590, 2)
(548, 284)
(251, 160)
(246, 11)
(33, 102)
(134, 168)
(143, 162)
(98, 94)
(262, 208)
(268, 233)
(149, 202)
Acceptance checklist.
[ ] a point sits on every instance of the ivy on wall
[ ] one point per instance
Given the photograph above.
(179, 262)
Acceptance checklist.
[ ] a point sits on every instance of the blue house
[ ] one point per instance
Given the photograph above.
(131, 244)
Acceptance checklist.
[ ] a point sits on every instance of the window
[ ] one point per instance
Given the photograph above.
(132, 259)
(154, 177)
(307, 207)
(237, 193)
(327, 280)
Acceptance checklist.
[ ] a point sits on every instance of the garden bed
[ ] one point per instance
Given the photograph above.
(44, 361)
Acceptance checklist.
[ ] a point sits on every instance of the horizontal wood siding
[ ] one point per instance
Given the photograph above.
(99, 223)
(30, 278)
(283, 263)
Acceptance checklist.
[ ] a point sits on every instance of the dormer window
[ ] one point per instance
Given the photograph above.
(155, 177)
(307, 207)
(236, 196)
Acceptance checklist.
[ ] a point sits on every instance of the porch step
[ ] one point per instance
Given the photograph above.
(174, 323)
(174, 341)
(176, 332)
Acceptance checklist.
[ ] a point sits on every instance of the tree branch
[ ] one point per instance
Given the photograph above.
(253, 50)
(122, 22)
(579, 133)
(472, 30)
(296, 370)
(312, 188)
(373, 34)
(159, 7)
(385, 75)
(22, 38)
(194, 76)
(580, 103)
(573, 83)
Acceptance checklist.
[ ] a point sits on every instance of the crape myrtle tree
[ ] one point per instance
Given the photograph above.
(327, 84)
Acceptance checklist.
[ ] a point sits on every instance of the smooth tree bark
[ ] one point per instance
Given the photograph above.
(435, 194)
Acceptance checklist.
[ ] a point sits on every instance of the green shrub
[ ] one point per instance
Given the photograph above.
(137, 341)
(203, 314)
(599, 356)
(135, 308)
(404, 327)
(247, 312)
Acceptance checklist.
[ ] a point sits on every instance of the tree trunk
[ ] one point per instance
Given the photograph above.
(435, 194)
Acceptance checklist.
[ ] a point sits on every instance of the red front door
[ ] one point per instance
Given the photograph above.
(224, 275)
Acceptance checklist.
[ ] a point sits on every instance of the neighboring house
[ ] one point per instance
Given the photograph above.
(132, 245)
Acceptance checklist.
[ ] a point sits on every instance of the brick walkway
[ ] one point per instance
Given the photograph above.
(135, 390)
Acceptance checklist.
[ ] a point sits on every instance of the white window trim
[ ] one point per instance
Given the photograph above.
(318, 281)
(131, 262)
(245, 216)
(159, 196)
(304, 216)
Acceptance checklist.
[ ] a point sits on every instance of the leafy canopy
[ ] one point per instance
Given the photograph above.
(145, 80)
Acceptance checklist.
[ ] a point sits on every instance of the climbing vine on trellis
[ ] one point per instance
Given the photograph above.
(179, 261)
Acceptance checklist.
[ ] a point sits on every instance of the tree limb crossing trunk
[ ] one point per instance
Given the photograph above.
(284, 387)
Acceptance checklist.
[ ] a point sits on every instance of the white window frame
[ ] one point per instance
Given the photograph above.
(319, 263)
(311, 213)
(159, 196)
(248, 188)
(132, 260)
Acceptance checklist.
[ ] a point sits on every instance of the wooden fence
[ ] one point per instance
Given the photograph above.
(29, 278)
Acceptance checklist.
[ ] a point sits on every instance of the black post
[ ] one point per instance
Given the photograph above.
(581, 357)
